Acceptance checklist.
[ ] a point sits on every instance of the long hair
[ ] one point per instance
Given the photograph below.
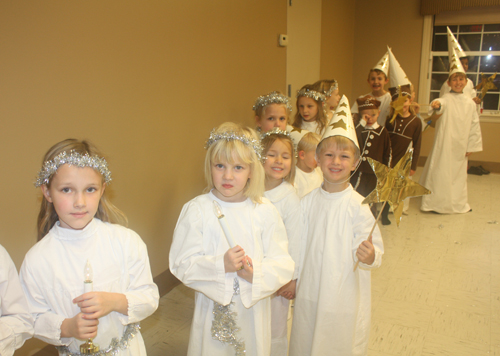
(233, 150)
(106, 211)
(321, 117)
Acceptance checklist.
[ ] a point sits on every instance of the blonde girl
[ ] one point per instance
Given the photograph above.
(310, 115)
(330, 88)
(272, 110)
(279, 166)
(77, 233)
(231, 282)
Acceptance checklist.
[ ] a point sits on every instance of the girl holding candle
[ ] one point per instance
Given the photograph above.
(243, 277)
(279, 166)
(76, 226)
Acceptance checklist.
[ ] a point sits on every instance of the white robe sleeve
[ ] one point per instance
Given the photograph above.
(16, 323)
(142, 293)
(440, 111)
(363, 224)
(293, 225)
(276, 267)
(475, 143)
(191, 264)
(47, 324)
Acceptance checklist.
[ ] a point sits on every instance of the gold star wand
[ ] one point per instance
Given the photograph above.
(486, 84)
(393, 187)
(398, 104)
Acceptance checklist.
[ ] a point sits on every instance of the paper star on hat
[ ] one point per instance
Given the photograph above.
(453, 44)
(383, 64)
(341, 123)
(398, 75)
(394, 184)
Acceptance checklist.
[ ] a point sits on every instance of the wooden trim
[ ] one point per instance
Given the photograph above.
(434, 7)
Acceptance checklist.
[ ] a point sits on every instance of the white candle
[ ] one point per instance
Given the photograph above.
(224, 225)
(88, 284)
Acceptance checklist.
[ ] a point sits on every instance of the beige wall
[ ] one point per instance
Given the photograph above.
(145, 81)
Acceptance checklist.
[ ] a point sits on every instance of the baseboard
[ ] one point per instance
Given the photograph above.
(493, 167)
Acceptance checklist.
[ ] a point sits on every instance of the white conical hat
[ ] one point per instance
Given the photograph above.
(296, 134)
(383, 64)
(455, 64)
(453, 44)
(341, 123)
(397, 74)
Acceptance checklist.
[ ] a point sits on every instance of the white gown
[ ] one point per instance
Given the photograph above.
(52, 275)
(332, 307)
(197, 259)
(385, 107)
(445, 171)
(285, 199)
(307, 182)
(16, 323)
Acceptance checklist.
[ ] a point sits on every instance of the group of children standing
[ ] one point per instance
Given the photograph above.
(280, 219)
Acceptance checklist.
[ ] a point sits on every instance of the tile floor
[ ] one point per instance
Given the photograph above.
(436, 293)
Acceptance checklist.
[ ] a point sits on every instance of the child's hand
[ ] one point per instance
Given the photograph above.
(477, 100)
(366, 252)
(247, 272)
(412, 172)
(288, 290)
(95, 305)
(435, 105)
(467, 154)
(233, 259)
(79, 327)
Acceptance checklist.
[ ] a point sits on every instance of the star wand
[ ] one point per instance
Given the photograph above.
(393, 187)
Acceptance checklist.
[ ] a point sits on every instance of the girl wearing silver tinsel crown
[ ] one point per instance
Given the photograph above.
(233, 284)
(272, 111)
(79, 243)
(311, 114)
(279, 166)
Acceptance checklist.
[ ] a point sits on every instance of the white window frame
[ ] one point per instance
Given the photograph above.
(426, 69)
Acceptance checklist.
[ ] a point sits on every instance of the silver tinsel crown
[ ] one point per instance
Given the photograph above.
(275, 131)
(330, 91)
(313, 94)
(231, 136)
(272, 98)
(73, 159)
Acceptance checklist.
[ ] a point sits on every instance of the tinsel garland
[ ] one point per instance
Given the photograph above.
(224, 327)
(114, 347)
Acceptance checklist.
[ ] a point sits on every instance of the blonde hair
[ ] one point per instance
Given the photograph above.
(268, 141)
(325, 85)
(260, 110)
(308, 142)
(233, 150)
(321, 117)
(106, 211)
(341, 142)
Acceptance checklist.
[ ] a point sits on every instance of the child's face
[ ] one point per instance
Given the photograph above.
(273, 115)
(406, 105)
(465, 63)
(377, 81)
(457, 82)
(333, 100)
(75, 193)
(308, 108)
(278, 161)
(370, 116)
(230, 180)
(336, 164)
(309, 159)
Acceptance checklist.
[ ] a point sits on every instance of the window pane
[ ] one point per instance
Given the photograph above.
(442, 29)
(470, 28)
(440, 43)
(472, 64)
(440, 64)
(488, 28)
(469, 42)
(434, 95)
(473, 78)
(490, 102)
(438, 80)
(491, 42)
(490, 63)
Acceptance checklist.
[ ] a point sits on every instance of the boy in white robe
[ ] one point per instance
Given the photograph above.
(458, 134)
(16, 323)
(332, 307)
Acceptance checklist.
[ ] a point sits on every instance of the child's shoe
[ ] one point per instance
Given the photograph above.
(475, 170)
(483, 170)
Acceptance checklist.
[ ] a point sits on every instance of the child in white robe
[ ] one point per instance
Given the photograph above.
(272, 111)
(16, 323)
(78, 242)
(311, 114)
(227, 279)
(332, 305)
(279, 166)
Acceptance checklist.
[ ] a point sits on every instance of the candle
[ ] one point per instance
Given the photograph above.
(88, 284)
(224, 225)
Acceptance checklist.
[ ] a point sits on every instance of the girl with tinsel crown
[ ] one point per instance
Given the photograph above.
(330, 88)
(279, 166)
(271, 111)
(311, 114)
(80, 244)
(231, 247)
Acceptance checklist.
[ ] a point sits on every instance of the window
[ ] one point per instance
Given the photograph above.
(481, 43)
